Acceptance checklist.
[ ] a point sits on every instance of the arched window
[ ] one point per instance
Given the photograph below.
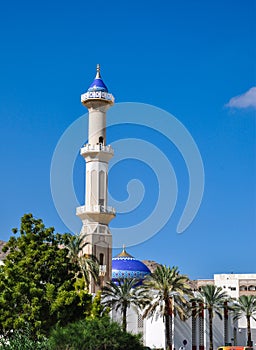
(101, 188)
(101, 259)
(101, 140)
(242, 288)
(252, 288)
(93, 187)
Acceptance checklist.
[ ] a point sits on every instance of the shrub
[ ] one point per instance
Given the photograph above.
(21, 340)
(93, 334)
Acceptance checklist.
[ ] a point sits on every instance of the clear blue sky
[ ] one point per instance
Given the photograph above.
(188, 58)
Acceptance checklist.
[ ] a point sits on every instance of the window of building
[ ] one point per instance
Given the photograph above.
(242, 288)
(140, 321)
(101, 140)
(101, 259)
(252, 288)
(101, 188)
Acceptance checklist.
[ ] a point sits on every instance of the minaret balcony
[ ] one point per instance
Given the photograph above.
(101, 209)
(97, 95)
(98, 150)
(96, 213)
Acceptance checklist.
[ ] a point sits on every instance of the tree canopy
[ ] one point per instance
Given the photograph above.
(245, 306)
(211, 298)
(124, 294)
(37, 281)
(170, 290)
(94, 334)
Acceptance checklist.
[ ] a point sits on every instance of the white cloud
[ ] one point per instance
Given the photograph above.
(246, 100)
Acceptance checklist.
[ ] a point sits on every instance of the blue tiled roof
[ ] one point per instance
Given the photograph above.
(98, 84)
(126, 266)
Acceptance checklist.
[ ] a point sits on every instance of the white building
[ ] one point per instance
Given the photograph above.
(236, 285)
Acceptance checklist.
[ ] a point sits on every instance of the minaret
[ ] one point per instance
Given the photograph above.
(96, 214)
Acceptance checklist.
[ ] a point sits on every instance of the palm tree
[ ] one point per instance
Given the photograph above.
(169, 288)
(123, 294)
(246, 306)
(89, 266)
(75, 247)
(87, 263)
(213, 299)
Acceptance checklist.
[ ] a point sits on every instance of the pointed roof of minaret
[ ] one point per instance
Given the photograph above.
(98, 84)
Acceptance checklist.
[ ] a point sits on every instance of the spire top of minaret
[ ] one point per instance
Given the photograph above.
(98, 76)
(97, 91)
(98, 84)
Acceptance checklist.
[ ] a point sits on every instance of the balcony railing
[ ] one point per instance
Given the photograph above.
(97, 148)
(97, 95)
(95, 209)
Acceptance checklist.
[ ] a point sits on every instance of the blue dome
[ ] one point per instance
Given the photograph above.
(126, 266)
(98, 84)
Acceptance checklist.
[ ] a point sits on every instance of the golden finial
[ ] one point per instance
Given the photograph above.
(124, 253)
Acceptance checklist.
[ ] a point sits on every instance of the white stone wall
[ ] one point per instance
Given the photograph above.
(154, 331)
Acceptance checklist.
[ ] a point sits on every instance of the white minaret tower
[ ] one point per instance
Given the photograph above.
(96, 214)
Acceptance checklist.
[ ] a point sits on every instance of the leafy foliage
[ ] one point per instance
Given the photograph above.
(212, 299)
(93, 334)
(246, 306)
(123, 295)
(87, 263)
(21, 340)
(170, 289)
(37, 281)
(98, 310)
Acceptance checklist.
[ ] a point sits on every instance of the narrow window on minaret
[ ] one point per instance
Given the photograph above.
(94, 188)
(101, 140)
(101, 259)
(101, 189)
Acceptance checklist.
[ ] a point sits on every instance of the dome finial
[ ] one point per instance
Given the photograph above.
(98, 72)
(124, 253)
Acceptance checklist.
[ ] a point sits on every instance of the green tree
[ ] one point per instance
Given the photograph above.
(21, 340)
(87, 263)
(245, 306)
(212, 299)
(123, 294)
(37, 281)
(169, 289)
(98, 310)
(93, 334)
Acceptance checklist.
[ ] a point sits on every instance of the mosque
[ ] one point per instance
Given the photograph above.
(96, 216)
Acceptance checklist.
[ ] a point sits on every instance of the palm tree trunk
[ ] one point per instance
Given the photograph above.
(124, 324)
(210, 329)
(168, 316)
(167, 332)
(226, 323)
(249, 334)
